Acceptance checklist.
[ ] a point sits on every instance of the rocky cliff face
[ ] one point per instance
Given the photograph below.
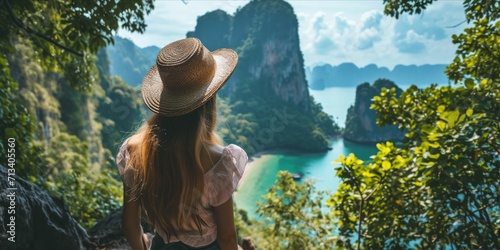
(32, 219)
(108, 233)
(282, 65)
(361, 126)
(265, 35)
(269, 82)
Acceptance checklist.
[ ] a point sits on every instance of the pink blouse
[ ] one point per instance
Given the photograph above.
(220, 182)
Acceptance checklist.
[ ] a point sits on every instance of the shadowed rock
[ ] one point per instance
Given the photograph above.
(108, 233)
(41, 221)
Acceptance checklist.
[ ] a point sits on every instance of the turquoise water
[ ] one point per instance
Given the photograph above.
(335, 101)
(317, 167)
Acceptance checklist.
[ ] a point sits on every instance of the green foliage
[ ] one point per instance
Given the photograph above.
(397, 7)
(67, 34)
(89, 196)
(441, 188)
(294, 216)
(120, 112)
(58, 131)
(257, 123)
(475, 57)
(324, 120)
(16, 123)
(46, 47)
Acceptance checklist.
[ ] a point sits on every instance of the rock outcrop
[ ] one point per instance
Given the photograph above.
(361, 126)
(269, 82)
(265, 35)
(108, 233)
(32, 219)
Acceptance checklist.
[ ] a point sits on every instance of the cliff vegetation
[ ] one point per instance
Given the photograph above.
(266, 102)
(361, 123)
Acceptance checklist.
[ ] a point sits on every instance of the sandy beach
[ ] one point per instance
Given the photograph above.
(257, 160)
(253, 162)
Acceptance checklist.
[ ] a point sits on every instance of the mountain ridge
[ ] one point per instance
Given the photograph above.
(349, 75)
(318, 76)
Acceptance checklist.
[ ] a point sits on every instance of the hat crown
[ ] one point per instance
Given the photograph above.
(185, 64)
(185, 76)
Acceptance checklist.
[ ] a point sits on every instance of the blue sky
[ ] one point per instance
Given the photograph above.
(332, 31)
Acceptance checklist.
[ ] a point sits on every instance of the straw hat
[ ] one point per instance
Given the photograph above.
(185, 76)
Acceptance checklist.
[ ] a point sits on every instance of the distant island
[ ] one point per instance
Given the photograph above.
(361, 126)
(350, 75)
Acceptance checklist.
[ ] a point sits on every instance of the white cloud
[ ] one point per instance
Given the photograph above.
(369, 31)
(411, 42)
(341, 24)
(371, 19)
(367, 38)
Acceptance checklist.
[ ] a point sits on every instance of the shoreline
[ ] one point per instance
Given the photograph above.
(257, 157)
(249, 168)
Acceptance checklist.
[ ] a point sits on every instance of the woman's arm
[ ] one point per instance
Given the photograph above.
(131, 222)
(226, 232)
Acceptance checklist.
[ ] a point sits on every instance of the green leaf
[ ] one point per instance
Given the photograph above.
(469, 83)
(452, 118)
(469, 112)
(441, 125)
(352, 218)
(386, 165)
(441, 108)
(434, 156)
(426, 128)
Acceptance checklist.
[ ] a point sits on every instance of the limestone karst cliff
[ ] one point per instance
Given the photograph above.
(265, 35)
(269, 81)
(361, 126)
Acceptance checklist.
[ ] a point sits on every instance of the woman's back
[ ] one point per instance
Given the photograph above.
(224, 168)
(208, 157)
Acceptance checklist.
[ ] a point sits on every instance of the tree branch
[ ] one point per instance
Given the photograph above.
(18, 23)
(456, 25)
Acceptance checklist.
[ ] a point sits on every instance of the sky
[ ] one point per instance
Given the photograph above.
(331, 31)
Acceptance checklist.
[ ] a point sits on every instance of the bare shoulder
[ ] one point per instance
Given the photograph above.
(217, 149)
(215, 152)
(211, 155)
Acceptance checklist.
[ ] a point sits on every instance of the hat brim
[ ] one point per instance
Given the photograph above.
(165, 103)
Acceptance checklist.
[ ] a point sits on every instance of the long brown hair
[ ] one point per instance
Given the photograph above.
(169, 176)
